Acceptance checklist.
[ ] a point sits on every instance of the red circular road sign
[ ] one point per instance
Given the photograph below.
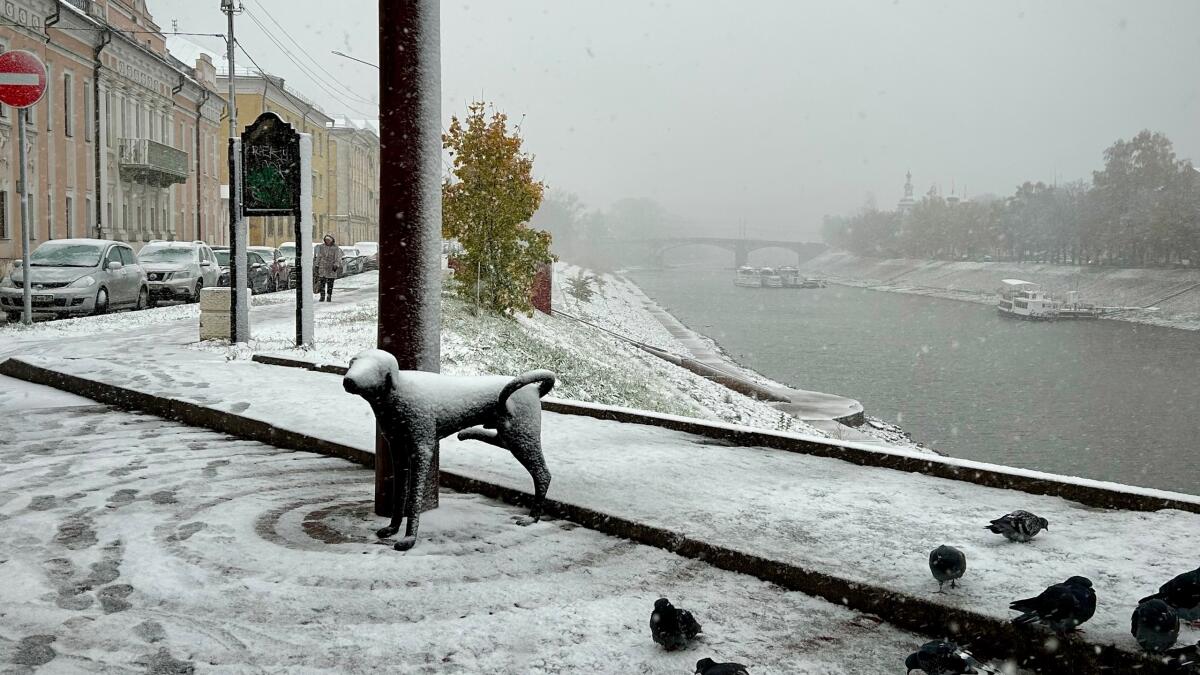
(22, 78)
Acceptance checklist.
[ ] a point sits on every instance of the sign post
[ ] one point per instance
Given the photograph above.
(277, 181)
(22, 84)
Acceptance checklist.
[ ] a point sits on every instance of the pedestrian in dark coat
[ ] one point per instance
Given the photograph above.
(328, 263)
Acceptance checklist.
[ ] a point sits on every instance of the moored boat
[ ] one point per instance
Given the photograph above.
(770, 279)
(748, 276)
(1026, 300)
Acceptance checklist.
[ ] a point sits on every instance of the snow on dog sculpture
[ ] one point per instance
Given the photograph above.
(416, 409)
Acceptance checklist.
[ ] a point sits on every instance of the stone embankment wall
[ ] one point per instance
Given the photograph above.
(1104, 286)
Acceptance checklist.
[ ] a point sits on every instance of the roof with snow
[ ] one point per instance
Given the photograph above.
(344, 122)
(1017, 282)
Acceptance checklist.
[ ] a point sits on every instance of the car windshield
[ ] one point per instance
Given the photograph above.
(367, 249)
(172, 254)
(287, 251)
(222, 257)
(346, 250)
(266, 253)
(66, 255)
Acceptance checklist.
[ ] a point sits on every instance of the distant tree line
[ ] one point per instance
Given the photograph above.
(1141, 209)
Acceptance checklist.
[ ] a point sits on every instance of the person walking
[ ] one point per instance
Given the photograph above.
(328, 264)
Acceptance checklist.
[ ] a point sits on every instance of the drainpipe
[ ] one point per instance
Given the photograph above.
(52, 19)
(105, 38)
(199, 116)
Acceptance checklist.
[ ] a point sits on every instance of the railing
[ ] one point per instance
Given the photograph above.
(146, 161)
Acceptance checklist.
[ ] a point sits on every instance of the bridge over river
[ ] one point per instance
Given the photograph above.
(741, 247)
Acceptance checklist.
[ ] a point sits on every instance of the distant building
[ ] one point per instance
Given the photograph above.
(122, 145)
(906, 203)
(355, 209)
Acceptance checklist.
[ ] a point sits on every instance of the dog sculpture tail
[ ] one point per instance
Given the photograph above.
(543, 378)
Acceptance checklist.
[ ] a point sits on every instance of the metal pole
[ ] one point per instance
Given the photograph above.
(239, 311)
(26, 271)
(410, 207)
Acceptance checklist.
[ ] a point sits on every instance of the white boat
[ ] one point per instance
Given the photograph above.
(770, 279)
(1026, 300)
(791, 277)
(748, 276)
(812, 283)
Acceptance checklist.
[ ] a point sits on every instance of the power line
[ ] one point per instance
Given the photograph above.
(284, 91)
(304, 69)
(334, 78)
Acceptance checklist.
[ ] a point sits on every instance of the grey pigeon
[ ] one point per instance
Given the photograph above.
(1184, 659)
(947, 564)
(1019, 526)
(1061, 607)
(940, 657)
(710, 667)
(1183, 594)
(1155, 625)
(671, 627)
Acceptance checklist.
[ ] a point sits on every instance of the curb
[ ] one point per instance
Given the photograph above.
(1089, 495)
(991, 637)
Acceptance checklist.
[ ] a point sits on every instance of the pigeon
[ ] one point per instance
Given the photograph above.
(1155, 625)
(710, 667)
(940, 657)
(670, 627)
(947, 564)
(1184, 659)
(1019, 526)
(1062, 607)
(1183, 594)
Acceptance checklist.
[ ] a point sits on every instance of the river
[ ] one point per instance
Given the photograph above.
(1101, 399)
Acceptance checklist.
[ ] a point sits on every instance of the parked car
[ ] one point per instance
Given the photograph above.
(177, 270)
(352, 261)
(72, 277)
(259, 272)
(277, 263)
(369, 250)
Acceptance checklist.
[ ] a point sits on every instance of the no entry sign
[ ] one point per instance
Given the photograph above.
(22, 78)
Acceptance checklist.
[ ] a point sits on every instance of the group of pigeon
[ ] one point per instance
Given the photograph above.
(1065, 606)
(672, 628)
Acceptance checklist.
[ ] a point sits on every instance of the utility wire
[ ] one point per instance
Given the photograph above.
(304, 69)
(334, 79)
(296, 101)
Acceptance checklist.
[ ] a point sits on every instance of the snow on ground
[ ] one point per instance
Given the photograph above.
(132, 543)
(591, 366)
(865, 524)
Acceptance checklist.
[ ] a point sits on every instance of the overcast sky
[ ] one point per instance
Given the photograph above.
(772, 114)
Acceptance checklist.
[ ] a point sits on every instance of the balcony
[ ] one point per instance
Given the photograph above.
(153, 163)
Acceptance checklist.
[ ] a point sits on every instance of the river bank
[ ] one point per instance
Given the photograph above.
(1159, 297)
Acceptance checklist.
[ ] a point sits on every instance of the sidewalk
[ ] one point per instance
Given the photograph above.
(868, 525)
(131, 543)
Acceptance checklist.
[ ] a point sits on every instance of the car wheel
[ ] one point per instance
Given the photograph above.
(199, 287)
(101, 302)
(143, 298)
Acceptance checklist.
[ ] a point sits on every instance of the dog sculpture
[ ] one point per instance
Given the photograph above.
(416, 409)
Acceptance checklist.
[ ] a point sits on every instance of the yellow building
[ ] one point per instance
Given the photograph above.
(258, 93)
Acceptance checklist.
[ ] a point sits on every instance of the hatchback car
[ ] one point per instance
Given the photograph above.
(71, 277)
(177, 270)
(352, 261)
(261, 279)
(278, 264)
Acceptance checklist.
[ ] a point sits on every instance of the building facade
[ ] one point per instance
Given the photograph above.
(257, 93)
(355, 207)
(122, 145)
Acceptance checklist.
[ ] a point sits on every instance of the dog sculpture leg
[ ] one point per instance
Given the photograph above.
(421, 459)
(400, 491)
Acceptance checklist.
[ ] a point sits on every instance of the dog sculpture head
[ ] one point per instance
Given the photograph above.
(371, 375)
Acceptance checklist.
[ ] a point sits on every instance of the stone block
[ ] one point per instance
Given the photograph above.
(215, 299)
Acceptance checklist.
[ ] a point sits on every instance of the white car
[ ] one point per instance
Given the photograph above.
(177, 270)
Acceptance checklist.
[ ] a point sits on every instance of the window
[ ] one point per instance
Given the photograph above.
(89, 115)
(4, 234)
(127, 257)
(110, 120)
(153, 218)
(50, 216)
(68, 104)
(139, 218)
(68, 216)
(87, 213)
(114, 256)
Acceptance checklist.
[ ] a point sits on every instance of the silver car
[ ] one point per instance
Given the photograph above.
(177, 270)
(71, 277)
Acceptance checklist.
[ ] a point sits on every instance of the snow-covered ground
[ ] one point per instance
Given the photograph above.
(129, 543)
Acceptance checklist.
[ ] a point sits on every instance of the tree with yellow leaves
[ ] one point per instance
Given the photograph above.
(487, 202)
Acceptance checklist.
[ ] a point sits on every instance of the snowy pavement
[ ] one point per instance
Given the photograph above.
(131, 543)
(863, 524)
